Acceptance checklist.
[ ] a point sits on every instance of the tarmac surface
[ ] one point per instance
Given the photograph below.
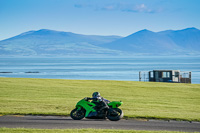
(58, 122)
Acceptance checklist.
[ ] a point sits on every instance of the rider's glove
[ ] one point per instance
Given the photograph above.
(86, 98)
(99, 99)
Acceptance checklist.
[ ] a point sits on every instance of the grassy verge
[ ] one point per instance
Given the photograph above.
(141, 99)
(22, 130)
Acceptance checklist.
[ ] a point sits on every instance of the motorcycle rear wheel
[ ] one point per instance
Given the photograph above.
(77, 114)
(114, 114)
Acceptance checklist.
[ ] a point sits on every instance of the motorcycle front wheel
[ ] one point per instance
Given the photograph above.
(77, 114)
(114, 114)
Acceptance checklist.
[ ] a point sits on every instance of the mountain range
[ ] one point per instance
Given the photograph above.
(46, 42)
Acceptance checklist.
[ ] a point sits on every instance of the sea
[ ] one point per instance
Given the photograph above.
(101, 68)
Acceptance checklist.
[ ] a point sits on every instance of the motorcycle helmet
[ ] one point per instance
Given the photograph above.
(96, 95)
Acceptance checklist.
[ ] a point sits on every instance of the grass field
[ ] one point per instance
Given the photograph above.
(21, 130)
(141, 99)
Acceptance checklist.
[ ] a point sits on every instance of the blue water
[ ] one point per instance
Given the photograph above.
(96, 68)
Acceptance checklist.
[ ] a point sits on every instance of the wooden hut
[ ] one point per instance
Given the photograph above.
(175, 76)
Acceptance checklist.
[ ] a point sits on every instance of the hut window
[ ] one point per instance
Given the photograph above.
(166, 74)
(151, 74)
(176, 74)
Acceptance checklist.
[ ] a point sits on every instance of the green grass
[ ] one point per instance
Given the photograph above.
(22, 130)
(141, 99)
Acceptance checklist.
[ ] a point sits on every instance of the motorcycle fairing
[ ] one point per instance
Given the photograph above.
(88, 106)
(115, 104)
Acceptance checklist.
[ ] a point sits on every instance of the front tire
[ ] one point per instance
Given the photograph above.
(77, 114)
(114, 114)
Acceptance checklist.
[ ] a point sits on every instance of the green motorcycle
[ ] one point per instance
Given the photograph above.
(86, 108)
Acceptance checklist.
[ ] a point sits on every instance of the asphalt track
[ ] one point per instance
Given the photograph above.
(58, 122)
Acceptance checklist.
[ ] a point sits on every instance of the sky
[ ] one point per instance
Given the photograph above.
(97, 17)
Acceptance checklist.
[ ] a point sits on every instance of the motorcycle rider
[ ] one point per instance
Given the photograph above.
(100, 102)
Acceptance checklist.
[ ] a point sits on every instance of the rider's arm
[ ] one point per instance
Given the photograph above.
(87, 98)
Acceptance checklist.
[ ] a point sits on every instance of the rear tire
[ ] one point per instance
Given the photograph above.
(77, 114)
(114, 114)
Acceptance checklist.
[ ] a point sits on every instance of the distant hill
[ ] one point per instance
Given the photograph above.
(55, 43)
(184, 42)
(188, 38)
(48, 42)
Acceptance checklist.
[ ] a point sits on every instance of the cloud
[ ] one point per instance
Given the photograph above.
(135, 8)
(141, 8)
(78, 5)
(110, 7)
(82, 5)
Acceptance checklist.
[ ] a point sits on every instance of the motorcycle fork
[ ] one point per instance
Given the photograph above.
(114, 111)
(79, 108)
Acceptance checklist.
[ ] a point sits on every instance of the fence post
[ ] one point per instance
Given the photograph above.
(139, 75)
